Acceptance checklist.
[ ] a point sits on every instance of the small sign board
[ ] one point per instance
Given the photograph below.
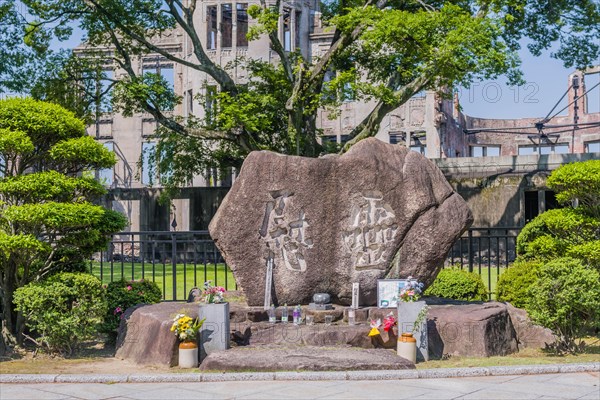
(387, 292)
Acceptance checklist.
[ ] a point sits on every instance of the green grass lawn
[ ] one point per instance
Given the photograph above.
(186, 275)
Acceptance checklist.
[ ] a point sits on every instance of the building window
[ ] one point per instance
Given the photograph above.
(210, 104)
(160, 66)
(560, 148)
(297, 28)
(287, 30)
(329, 139)
(106, 176)
(419, 148)
(396, 138)
(211, 27)
(226, 25)
(104, 93)
(149, 170)
(104, 128)
(242, 24)
(531, 205)
(484, 151)
(592, 147)
(149, 126)
(344, 139)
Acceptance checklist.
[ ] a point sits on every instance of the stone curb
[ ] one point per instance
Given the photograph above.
(303, 376)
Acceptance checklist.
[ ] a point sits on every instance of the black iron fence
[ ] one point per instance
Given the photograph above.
(178, 261)
(486, 251)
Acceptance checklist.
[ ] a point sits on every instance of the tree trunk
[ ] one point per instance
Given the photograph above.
(9, 328)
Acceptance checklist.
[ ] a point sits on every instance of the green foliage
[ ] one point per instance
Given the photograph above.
(578, 181)
(571, 231)
(48, 221)
(566, 299)
(458, 284)
(47, 186)
(513, 285)
(588, 253)
(64, 310)
(551, 233)
(44, 123)
(81, 153)
(382, 51)
(120, 295)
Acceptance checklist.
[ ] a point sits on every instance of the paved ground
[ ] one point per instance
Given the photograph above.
(583, 385)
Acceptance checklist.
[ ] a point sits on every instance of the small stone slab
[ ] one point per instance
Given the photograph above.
(303, 358)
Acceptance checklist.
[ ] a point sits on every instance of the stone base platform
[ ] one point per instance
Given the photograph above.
(454, 329)
(303, 358)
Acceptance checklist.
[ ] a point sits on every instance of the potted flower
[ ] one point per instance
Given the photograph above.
(412, 320)
(186, 329)
(214, 334)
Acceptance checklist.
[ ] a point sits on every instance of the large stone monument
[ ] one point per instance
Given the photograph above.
(378, 211)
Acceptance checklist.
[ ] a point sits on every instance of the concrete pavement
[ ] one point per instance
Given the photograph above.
(579, 385)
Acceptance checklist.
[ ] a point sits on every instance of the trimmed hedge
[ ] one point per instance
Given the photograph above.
(513, 285)
(63, 310)
(457, 284)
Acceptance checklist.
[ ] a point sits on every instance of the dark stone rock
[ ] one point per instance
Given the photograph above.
(195, 295)
(144, 335)
(237, 313)
(319, 315)
(303, 358)
(378, 211)
(470, 330)
(529, 334)
(257, 315)
(313, 335)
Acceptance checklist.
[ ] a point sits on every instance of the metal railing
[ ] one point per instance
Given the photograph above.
(486, 251)
(178, 261)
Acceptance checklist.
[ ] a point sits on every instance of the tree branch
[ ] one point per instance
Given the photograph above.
(370, 124)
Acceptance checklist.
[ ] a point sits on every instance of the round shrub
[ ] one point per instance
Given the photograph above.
(588, 252)
(457, 284)
(63, 310)
(552, 233)
(513, 285)
(120, 295)
(566, 299)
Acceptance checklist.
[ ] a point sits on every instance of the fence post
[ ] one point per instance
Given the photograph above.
(470, 244)
(174, 264)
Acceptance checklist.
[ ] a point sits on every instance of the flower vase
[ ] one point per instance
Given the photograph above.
(188, 354)
(407, 347)
(408, 312)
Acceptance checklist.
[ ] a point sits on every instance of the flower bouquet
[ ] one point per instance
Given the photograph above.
(213, 294)
(185, 328)
(411, 291)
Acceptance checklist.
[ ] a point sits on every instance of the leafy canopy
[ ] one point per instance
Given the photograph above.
(383, 51)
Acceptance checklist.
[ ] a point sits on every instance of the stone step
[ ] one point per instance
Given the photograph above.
(303, 358)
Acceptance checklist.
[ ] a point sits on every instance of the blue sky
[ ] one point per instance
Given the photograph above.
(546, 81)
